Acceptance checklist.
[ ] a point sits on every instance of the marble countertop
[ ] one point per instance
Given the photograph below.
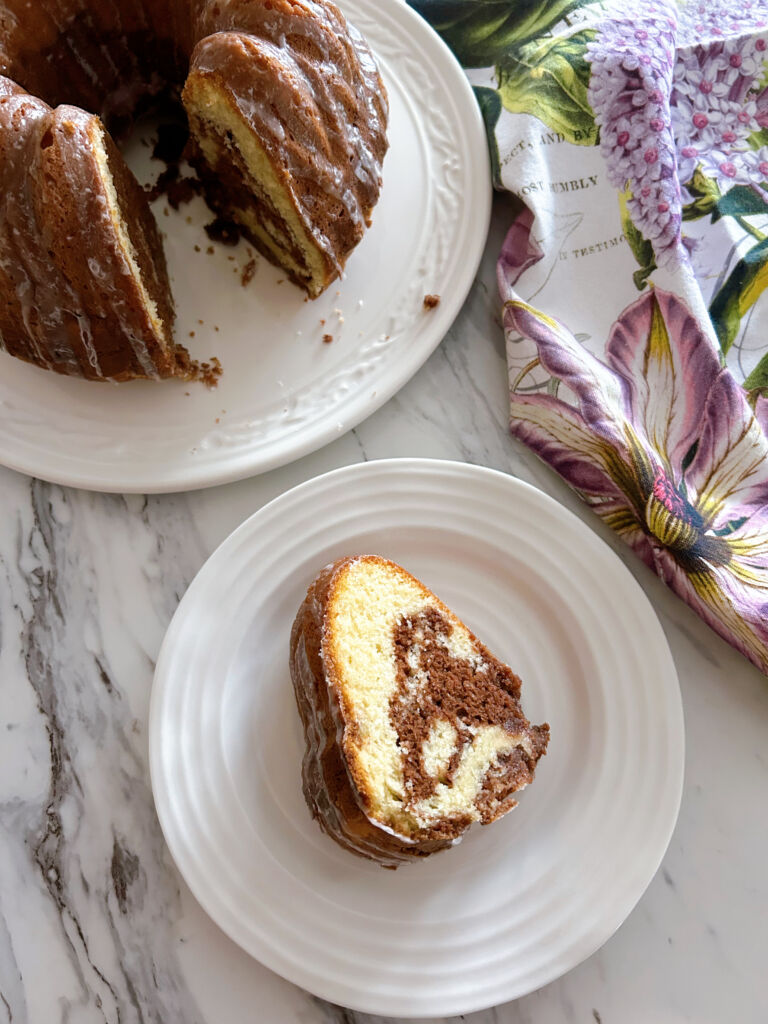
(96, 924)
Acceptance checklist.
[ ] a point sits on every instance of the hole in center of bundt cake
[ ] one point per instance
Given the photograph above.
(286, 115)
(165, 127)
(137, 74)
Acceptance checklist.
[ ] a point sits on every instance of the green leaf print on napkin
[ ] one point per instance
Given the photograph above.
(549, 79)
(749, 278)
(705, 196)
(757, 382)
(739, 201)
(480, 32)
(641, 248)
(746, 283)
(490, 107)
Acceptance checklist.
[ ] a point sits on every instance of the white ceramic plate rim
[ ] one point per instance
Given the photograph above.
(79, 469)
(660, 662)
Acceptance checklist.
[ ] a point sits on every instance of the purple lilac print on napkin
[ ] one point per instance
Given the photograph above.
(633, 278)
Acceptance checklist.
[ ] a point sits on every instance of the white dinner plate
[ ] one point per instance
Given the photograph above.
(284, 392)
(517, 903)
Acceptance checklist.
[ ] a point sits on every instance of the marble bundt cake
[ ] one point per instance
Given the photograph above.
(414, 729)
(287, 115)
(83, 283)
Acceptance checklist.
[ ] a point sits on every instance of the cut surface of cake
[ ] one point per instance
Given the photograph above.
(414, 729)
(100, 308)
(287, 121)
(287, 116)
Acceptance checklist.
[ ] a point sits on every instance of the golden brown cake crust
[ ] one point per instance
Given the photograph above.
(329, 791)
(73, 307)
(330, 140)
(336, 787)
(74, 311)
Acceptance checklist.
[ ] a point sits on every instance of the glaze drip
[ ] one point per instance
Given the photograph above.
(452, 745)
(83, 284)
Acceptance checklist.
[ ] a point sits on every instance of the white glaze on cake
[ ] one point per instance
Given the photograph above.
(300, 81)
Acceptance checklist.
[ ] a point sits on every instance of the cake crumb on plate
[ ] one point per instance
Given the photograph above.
(249, 271)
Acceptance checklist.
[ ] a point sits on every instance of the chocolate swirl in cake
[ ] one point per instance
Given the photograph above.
(327, 786)
(414, 729)
(445, 701)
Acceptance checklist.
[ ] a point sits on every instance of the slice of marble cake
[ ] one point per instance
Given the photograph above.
(414, 729)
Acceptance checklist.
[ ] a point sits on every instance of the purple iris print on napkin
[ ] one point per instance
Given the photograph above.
(635, 139)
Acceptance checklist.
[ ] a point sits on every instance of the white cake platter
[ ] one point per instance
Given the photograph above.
(284, 392)
(519, 902)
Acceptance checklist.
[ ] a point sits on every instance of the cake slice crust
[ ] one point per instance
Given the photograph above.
(243, 185)
(422, 723)
(85, 294)
(288, 133)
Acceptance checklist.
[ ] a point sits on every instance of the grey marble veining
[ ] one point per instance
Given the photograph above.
(85, 880)
(95, 923)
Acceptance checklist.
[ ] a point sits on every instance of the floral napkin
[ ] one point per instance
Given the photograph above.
(635, 136)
